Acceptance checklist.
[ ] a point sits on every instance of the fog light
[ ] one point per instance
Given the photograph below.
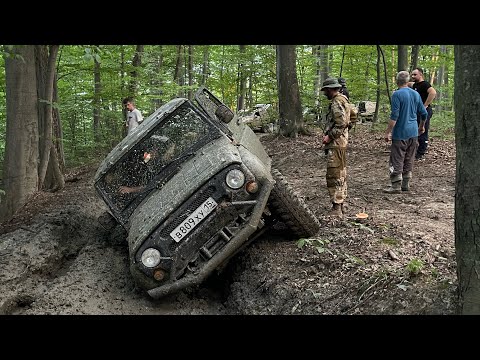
(235, 179)
(252, 187)
(151, 257)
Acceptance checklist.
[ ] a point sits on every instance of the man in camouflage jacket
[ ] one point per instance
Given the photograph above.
(336, 140)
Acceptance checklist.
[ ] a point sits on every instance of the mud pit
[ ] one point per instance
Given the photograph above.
(56, 259)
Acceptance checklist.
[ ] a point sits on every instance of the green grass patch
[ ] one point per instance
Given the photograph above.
(415, 266)
(390, 241)
(442, 125)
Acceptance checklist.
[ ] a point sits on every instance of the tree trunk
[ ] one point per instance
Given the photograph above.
(324, 71)
(317, 81)
(414, 57)
(47, 128)
(386, 77)
(324, 67)
(343, 58)
(243, 79)
(157, 81)
(222, 86)
(467, 199)
(136, 63)
(123, 87)
(57, 128)
(440, 79)
(290, 107)
(449, 100)
(402, 58)
(54, 178)
(377, 101)
(251, 81)
(178, 74)
(205, 65)
(190, 72)
(96, 99)
(20, 167)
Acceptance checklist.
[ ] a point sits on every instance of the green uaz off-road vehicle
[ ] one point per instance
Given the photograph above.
(192, 186)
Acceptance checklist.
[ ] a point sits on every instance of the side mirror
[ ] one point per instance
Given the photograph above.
(224, 114)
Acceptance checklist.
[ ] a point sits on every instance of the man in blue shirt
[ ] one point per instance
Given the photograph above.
(403, 130)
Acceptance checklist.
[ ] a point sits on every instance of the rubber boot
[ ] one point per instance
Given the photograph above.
(336, 210)
(395, 188)
(405, 181)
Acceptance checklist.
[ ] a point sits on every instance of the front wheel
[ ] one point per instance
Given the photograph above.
(286, 205)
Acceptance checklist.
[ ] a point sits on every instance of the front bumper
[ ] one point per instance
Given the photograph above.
(213, 241)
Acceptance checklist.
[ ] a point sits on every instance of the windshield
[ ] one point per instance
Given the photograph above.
(170, 140)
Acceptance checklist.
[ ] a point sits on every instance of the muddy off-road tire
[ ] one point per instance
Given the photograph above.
(288, 207)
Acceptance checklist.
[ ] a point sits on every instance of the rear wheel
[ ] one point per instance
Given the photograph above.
(288, 207)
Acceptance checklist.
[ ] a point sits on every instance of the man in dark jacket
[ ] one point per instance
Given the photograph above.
(343, 89)
(427, 93)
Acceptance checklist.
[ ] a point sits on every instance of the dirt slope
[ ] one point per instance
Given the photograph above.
(56, 259)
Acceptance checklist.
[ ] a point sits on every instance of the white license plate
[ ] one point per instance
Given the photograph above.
(194, 219)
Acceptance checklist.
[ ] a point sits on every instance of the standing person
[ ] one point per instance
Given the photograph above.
(336, 140)
(427, 93)
(343, 89)
(406, 107)
(134, 116)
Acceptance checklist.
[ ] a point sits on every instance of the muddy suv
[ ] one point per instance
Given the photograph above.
(192, 186)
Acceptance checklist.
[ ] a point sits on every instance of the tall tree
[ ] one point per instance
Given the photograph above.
(467, 198)
(289, 104)
(414, 57)
(242, 79)
(97, 98)
(136, 63)
(45, 86)
(157, 81)
(343, 58)
(377, 101)
(178, 74)
(402, 63)
(205, 65)
(57, 123)
(20, 168)
(122, 88)
(317, 79)
(190, 72)
(324, 64)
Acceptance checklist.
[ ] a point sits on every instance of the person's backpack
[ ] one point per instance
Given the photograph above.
(353, 115)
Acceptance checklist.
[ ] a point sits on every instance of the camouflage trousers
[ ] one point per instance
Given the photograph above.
(337, 174)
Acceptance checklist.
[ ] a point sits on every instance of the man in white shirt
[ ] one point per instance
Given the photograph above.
(134, 116)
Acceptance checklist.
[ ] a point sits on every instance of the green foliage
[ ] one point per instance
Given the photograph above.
(363, 227)
(319, 245)
(442, 125)
(414, 267)
(156, 84)
(354, 260)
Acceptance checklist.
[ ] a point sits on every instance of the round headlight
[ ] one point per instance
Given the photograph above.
(151, 257)
(235, 179)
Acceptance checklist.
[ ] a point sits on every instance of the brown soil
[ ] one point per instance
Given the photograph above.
(57, 259)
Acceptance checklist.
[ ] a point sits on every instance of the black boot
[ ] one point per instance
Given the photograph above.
(405, 181)
(395, 188)
(336, 210)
